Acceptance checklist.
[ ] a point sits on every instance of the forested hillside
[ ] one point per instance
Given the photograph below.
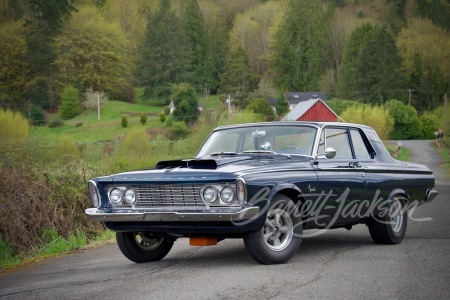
(370, 51)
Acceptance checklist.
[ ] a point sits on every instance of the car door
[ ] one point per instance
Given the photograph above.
(340, 179)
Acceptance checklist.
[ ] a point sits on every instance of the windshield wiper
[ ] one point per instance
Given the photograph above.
(223, 153)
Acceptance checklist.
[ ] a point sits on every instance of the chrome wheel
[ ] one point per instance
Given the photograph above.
(280, 236)
(278, 230)
(397, 216)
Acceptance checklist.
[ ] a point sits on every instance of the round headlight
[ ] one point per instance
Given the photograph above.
(129, 196)
(115, 196)
(227, 194)
(209, 194)
(94, 194)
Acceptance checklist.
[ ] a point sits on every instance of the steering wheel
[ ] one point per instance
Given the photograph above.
(297, 149)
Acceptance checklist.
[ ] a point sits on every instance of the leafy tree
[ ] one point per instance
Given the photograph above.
(424, 48)
(251, 31)
(186, 102)
(92, 53)
(339, 106)
(297, 55)
(406, 121)
(261, 106)
(14, 67)
(237, 78)
(199, 60)
(281, 105)
(70, 106)
(164, 60)
(375, 116)
(143, 119)
(370, 69)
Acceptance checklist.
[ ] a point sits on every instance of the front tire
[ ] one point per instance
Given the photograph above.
(391, 228)
(280, 237)
(140, 247)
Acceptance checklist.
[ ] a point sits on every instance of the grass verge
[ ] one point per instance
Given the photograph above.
(52, 244)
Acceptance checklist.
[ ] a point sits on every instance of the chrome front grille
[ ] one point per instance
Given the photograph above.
(176, 195)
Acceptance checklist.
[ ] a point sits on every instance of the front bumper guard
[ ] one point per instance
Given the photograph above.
(95, 214)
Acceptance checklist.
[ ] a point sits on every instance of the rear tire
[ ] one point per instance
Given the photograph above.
(391, 228)
(140, 247)
(280, 237)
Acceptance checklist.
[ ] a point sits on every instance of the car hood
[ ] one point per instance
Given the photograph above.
(214, 168)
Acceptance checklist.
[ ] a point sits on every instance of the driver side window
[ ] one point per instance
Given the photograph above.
(336, 138)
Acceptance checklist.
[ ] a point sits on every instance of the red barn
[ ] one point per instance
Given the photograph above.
(312, 110)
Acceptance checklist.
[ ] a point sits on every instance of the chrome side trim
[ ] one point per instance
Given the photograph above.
(95, 214)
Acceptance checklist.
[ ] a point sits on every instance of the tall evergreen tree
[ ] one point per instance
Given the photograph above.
(197, 45)
(370, 70)
(218, 38)
(237, 78)
(44, 23)
(297, 56)
(164, 59)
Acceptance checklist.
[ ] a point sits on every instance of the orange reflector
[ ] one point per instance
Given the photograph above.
(203, 241)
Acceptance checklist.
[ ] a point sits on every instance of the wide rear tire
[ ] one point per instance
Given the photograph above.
(280, 237)
(141, 247)
(391, 228)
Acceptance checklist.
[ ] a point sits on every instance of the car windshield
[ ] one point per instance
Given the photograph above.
(266, 139)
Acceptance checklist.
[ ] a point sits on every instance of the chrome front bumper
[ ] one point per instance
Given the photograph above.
(172, 216)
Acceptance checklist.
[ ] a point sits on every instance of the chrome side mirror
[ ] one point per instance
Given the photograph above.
(330, 152)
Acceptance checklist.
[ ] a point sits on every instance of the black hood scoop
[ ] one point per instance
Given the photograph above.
(188, 163)
(209, 164)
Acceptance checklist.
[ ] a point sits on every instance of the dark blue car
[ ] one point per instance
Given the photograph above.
(271, 184)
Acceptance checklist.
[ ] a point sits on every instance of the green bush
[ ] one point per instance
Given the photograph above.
(186, 103)
(70, 105)
(14, 128)
(37, 116)
(429, 123)
(162, 117)
(124, 121)
(261, 106)
(406, 121)
(143, 119)
(178, 130)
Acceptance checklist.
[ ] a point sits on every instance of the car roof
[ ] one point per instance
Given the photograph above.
(295, 123)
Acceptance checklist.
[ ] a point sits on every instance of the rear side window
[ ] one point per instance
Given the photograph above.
(359, 146)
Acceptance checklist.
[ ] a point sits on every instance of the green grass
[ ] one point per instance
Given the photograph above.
(109, 127)
(444, 152)
(93, 130)
(53, 244)
(404, 154)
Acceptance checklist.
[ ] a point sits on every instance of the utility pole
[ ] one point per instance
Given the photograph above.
(409, 91)
(98, 105)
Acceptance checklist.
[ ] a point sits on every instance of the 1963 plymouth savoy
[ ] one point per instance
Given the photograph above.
(265, 183)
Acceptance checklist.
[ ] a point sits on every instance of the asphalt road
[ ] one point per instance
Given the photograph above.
(340, 264)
